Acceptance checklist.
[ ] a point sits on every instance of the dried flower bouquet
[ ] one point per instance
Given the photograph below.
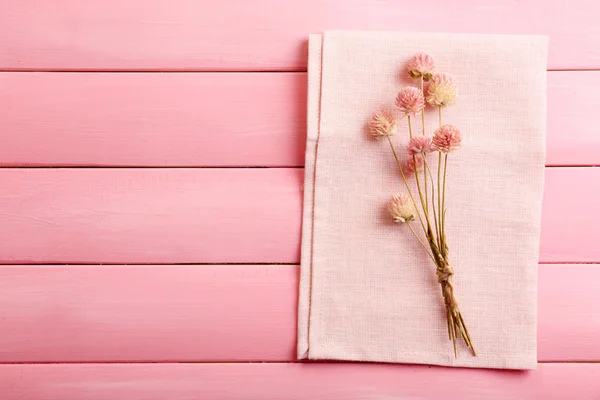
(427, 205)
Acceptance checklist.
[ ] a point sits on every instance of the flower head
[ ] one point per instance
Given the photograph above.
(402, 208)
(441, 91)
(413, 165)
(419, 145)
(447, 138)
(382, 124)
(421, 65)
(410, 100)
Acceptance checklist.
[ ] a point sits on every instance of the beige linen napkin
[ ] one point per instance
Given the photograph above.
(368, 292)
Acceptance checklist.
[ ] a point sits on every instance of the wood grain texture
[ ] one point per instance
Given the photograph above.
(216, 215)
(295, 382)
(212, 119)
(150, 215)
(572, 137)
(129, 119)
(261, 35)
(147, 313)
(220, 313)
(563, 292)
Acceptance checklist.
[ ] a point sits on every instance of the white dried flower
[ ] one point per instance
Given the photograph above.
(402, 208)
(382, 124)
(441, 91)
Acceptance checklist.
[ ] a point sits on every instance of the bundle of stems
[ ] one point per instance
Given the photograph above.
(428, 203)
(437, 245)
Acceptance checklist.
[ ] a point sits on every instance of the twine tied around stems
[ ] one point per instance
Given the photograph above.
(444, 274)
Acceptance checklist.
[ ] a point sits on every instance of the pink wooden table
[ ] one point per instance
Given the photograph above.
(150, 200)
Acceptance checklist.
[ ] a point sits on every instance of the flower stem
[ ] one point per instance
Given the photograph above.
(439, 182)
(435, 218)
(405, 181)
(423, 133)
(427, 231)
(423, 110)
(427, 250)
(423, 203)
(425, 184)
(444, 194)
(409, 127)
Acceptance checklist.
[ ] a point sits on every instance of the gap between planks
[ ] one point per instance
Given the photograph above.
(208, 71)
(116, 264)
(175, 264)
(317, 362)
(207, 167)
(155, 167)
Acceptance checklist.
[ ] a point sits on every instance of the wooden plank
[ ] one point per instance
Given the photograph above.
(126, 119)
(261, 35)
(244, 215)
(97, 215)
(245, 119)
(564, 292)
(295, 382)
(571, 138)
(147, 313)
(224, 313)
(556, 242)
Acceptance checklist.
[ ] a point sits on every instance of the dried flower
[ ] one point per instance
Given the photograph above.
(413, 165)
(402, 208)
(421, 65)
(447, 138)
(419, 145)
(441, 91)
(410, 100)
(382, 124)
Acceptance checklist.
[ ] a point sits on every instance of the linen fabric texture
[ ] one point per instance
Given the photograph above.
(368, 291)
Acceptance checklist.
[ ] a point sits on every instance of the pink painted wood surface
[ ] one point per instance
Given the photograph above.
(148, 313)
(568, 241)
(247, 119)
(216, 215)
(262, 34)
(295, 382)
(147, 119)
(571, 138)
(564, 292)
(96, 215)
(220, 313)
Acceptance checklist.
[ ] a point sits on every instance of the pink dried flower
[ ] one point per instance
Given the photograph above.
(441, 91)
(412, 165)
(419, 145)
(402, 208)
(382, 124)
(410, 100)
(421, 65)
(447, 138)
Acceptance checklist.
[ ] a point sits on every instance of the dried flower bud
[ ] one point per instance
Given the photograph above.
(382, 124)
(413, 165)
(421, 65)
(410, 101)
(419, 145)
(441, 91)
(447, 138)
(402, 208)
